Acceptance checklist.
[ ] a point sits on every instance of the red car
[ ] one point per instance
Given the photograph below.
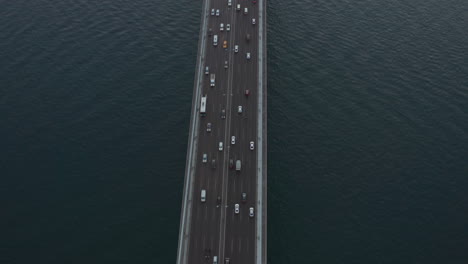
(247, 92)
(254, 2)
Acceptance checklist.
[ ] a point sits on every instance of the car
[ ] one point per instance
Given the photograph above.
(220, 146)
(228, 27)
(225, 44)
(205, 157)
(221, 27)
(244, 197)
(252, 145)
(208, 127)
(238, 7)
(239, 109)
(246, 10)
(251, 212)
(207, 70)
(236, 48)
(253, 21)
(223, 114)
(212, 12)
(247, 37)
(210, 32)
(226, 64)
(236, 208)
(217, 12)
(231, 163)
(254, 2)
(218, 200)
(248, 55)
(247, 92)
(233, 140)
(227, 261)
(213, 163)
(229, 3)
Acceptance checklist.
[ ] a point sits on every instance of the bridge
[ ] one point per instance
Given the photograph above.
(224, 205)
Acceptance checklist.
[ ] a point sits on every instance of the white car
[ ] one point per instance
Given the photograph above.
(238, 7)
(236, 48)
(246, 10)
(217, 12)
(233, 140)
(228, 27)
(229, 2)
(252, 145)
(251, 212)
(205, 158)
(248, 55)
(220, 146)
(253, 21)
(212, 12)
(239, 109)
(221, 27)
(236, 208)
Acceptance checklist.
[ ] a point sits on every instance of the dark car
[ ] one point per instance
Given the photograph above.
(213, 164)
(210, 32)
(208, 127)
(247, 92)
(244, 197)
(223, 113)
(231, 164)
(247, 37)
(218, 200)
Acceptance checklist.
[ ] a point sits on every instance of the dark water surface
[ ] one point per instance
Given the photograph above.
(368, 130)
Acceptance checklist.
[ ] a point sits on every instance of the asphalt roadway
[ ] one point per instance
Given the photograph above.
(215, 229)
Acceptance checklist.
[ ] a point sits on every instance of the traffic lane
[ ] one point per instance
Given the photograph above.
(203, 211)
(239, 228)
(206, 224)
(204, 216)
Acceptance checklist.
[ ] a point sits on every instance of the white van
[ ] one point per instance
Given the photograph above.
(215, 40)
(229, 2)
(246, 10)
(203, 195)
(215, 260)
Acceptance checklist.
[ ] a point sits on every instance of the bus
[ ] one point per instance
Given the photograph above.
(203, 106)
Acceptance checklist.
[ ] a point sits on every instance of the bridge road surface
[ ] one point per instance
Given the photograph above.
(217, 227)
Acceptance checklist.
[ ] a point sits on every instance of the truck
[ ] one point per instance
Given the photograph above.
(212, 79)
(238, 165)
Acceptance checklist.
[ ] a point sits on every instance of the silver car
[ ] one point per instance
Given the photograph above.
(212, 12)
(236, 208)
(252, 145)
(220, 147)
(236, 48)
(233, 140)
(248, 55)
(239, 109)
(228, 27)
(217, 12)
(251, 212)
(205, 157)
(253, 21)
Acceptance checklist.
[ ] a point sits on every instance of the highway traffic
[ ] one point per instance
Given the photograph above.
(223, 208)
